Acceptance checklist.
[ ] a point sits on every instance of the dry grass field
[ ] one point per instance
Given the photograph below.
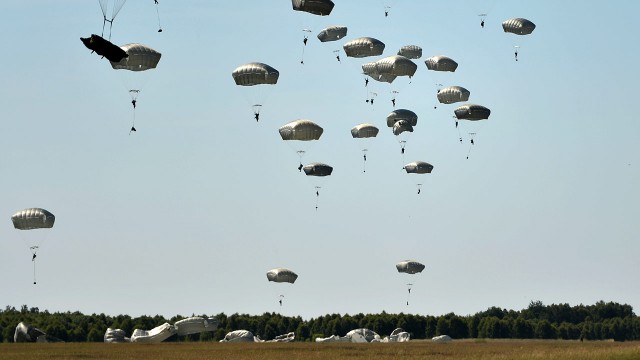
(459, 350)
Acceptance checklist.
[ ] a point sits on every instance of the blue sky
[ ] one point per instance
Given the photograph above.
(188, 214)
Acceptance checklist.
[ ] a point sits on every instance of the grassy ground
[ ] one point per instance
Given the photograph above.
(459, 350)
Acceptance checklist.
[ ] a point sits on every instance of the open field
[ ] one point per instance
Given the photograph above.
(464, 349)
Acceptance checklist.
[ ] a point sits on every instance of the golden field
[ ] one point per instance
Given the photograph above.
(462, 349)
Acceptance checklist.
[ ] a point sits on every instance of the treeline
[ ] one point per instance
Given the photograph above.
(538, 321)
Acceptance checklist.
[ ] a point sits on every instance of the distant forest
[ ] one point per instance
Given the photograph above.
(603, 320)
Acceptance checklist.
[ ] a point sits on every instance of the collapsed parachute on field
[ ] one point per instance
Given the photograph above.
(282, 275)
(441, 63)
(254, 75)
(363, 47)
(115, 336)
(412, 266)
(26, 333)
(472, 112)
(316, 7)
(195, 325)
(153, 336)
(332, 33)
(453, 94)
(396, 65)
(411, 51)
(104, 48)
(518, 26)
(361, 335)
(247, 336)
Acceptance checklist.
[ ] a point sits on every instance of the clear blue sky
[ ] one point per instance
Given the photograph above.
(188, 214)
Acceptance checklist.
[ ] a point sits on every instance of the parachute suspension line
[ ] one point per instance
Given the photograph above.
(317, 195)
(134, 100)
(34, 250)
(409, 292)
(471, 143)
(304, 44)
(364, 162)
(457, 128)
(117, 5)
(158, 13)
(300, 155)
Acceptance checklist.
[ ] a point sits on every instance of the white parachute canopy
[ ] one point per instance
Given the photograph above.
(282, 275)
(363, 47)
(453, 94)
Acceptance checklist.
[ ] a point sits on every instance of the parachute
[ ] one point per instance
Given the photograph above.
(255, 74)
(441, 63)
(33, 219)
(110, 9)
(370, 69)
(396, 65)
(418, 167)
(282, 275)
(316, 7)
(472, 112)
(318, 171)
(364, 131)
(410, 266)
(332, 33)
(363, 47)
(401, 126)
(453, 94)
(302, 131)
(402, 114)
(518, 26)
(140, 58)
(104, 48)
(411, 51)
(252, 75)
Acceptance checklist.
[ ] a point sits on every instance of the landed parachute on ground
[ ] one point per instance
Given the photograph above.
(332, 33)
(518, 26)
(316, 7)
(411, 51)
(104, 48)
(363, 47)
(453, 94)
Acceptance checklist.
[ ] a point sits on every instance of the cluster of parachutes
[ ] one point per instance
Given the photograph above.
(288, 276)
